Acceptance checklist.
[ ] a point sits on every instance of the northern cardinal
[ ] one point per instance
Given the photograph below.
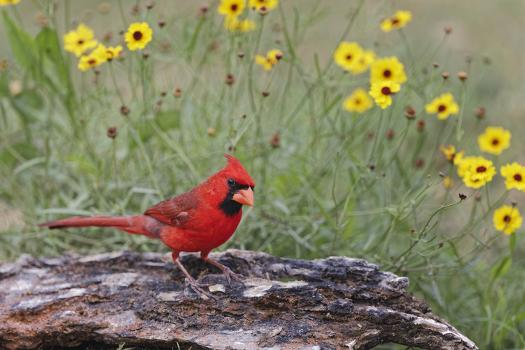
(196, 221)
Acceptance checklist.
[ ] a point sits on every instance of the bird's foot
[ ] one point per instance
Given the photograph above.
(230, 275)
(199, 288)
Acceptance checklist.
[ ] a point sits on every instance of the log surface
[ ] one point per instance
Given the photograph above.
(142, 300)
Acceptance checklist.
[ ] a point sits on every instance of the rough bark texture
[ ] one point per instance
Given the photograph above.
(141, 300)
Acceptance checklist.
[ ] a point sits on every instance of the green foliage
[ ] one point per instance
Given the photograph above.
(329, 182)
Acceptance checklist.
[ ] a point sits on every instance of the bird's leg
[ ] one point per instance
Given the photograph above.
(193, 283)
(228, 273)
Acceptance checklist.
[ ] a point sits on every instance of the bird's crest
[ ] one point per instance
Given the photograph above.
(236, 170)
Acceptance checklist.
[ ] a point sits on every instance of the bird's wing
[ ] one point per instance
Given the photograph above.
(174, 211)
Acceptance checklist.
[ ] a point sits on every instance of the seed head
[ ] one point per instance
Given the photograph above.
(230, 79)
(112, 132)
(265, 93)
(211, 132)
(419, 163)
(462, 196)
(420, 125)
(462, 76)
(177, 92)
(41, 19)
(390, 134)
(104, 8)
(275, 140)
(410, 112)
(124, 110)
(203, 10)
(445, 75)
(448, 30)
(480, 112)
(150, 5)
(161, 23)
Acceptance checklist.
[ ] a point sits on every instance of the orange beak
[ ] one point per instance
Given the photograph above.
(244, 197)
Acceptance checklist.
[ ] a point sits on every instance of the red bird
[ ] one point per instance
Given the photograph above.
(196, 221)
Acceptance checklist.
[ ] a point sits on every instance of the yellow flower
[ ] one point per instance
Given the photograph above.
(382, 92)
(274, 56)
(507, 219)
(359, 101)
(448, 182)
(139, 34)
(8, 2)
(233, 24)
(80, 40)
(398, 20)
(387, 69)
(475, 171)
(494, 140)
(95, 58)
(514, 175)
(449, 151)
(113, 52)
(265, 5)
(363, 62)
(347, 56)
(443, 106)
(271, 59)
(231, 8)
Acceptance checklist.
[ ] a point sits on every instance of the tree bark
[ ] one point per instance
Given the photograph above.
(142, 300)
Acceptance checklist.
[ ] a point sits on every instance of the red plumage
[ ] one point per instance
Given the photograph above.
(196, 221)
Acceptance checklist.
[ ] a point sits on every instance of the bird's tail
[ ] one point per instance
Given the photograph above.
(138, 224)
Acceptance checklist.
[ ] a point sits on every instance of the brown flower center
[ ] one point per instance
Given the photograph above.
(387, 73)
(495, 142)
(234, 7)
(137, 35)
(92, 61)
(517, 177)
(395, 20)
(481, 169)
(80, 41)
(506, 218)
(442, 108)
(348, 57)
(386, 91)
(357, 101)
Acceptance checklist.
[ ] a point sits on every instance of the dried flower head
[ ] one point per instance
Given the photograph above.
(112, 132)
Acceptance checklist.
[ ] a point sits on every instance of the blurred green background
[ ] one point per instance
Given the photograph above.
(316, 195)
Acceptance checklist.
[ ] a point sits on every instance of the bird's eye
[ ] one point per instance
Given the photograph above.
(231, 181)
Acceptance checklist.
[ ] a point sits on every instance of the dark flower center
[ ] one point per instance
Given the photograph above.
(387, 73)
(506, 218)
(386, 90)
(481, 169)
(442, 108)
(395, 20)
(348, 57)
(234, 7)
(495, 142)
(80, 41)
(357, 101)
(517, 177)
(92, 61)
(137, 35)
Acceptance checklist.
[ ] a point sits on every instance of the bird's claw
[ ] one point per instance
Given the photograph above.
(199, 289)
(230, 275)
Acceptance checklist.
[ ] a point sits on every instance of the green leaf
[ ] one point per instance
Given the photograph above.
(50, 51)
(22, 44)
(502, 268)
(168, 119)
(29, 104)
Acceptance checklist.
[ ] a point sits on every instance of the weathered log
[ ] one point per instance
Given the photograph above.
(141, 300)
